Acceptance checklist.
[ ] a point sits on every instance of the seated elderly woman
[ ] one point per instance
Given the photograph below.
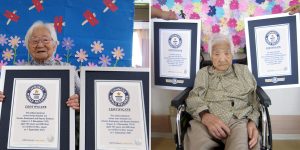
(223, 103)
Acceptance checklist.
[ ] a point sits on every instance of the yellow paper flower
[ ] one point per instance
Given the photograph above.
(197, 7)
(251, 9)
(14, 41)
(8, 54)
(223, 21)
(118, 53)
(177, 7)
(239, 26)
(97, 46)
(205, 38)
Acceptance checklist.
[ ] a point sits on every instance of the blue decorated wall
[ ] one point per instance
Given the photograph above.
(103, 40)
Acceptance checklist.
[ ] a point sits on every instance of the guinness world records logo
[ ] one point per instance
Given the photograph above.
(118, 96)
(272, 37)
(175, 40)
(36, 94)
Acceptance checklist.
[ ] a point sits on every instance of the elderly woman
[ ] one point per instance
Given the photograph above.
(223, 103)
(41, 42)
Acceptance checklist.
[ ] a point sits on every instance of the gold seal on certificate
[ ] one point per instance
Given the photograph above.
(120, 121)
(34, 120)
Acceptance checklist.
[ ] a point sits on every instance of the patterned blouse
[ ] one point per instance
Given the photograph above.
(226, 95)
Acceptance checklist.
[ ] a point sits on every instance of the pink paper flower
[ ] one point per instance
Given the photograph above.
(276, 9)
(205, 47)
(208, 21)
(241, 34)
(294, 2)
(236, 40)
(259, 11)
(188, 9)
(178, 1)
(215, 28)
(20, 62)
(205, 8)
(156, 6)
(67, 43)
(234, 4)
(231, 23)
(243, 6)
(91, 64)
(57, 57)
(2, 63)
(194, 16)
(3, 39)
(204, 1)
(219, 3)
(104, 61)
(280, 1)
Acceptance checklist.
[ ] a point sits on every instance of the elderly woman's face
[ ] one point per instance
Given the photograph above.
(41, 45)
(221, 56)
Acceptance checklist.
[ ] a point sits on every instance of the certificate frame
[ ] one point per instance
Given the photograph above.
(66, 126)
(89, 75)
(287, 74)
(167, 74)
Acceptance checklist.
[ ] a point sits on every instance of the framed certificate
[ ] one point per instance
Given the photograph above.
(176, 52)
(273, 49)
(114, 108)
(34, 114)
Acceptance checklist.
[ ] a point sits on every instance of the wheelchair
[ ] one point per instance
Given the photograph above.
(183, 118)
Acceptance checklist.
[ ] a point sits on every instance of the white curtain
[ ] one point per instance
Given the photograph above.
(143, 35)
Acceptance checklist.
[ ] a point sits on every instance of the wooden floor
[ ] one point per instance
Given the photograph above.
(168, 144)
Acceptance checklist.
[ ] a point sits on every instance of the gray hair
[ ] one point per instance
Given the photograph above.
(39, 23)
(216, 38)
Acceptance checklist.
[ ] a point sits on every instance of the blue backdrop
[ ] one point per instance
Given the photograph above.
(106, 43)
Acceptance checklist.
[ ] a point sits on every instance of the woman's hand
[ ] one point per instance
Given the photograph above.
(2, 96)
(73, 102)
(252, 133)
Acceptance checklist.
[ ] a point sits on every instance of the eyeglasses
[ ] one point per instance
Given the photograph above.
(44, 40)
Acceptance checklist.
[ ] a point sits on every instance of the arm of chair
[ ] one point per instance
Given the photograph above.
(263, 97)
(180, 99)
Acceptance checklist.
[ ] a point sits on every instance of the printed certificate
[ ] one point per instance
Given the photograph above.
(120, 118)
(175, 53)
(273, 49)
(176, 58)
(114, 114)
(35, 114)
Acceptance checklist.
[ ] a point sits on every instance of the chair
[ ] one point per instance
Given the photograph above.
(183, 118)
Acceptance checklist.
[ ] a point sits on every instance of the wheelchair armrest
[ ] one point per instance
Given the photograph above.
(180, 98)
(263, 97)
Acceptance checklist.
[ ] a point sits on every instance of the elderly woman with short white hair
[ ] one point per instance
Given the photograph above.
(223, 103)
(41, 42)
